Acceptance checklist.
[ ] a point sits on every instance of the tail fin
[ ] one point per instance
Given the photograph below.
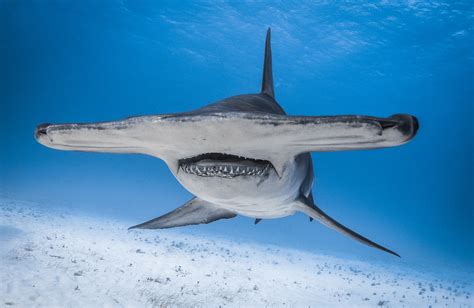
(267, 80)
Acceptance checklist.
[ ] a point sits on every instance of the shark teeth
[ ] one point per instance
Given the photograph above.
(225, 170)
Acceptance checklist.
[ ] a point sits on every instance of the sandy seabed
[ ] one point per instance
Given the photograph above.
(50, 259)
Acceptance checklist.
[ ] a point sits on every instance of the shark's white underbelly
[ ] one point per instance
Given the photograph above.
(269, 196)
(262, 210)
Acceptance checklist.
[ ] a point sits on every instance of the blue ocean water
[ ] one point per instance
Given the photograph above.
(87, 61)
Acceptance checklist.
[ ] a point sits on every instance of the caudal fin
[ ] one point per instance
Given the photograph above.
(267, 80)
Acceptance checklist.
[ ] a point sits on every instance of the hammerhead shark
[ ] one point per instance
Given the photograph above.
(242, 155)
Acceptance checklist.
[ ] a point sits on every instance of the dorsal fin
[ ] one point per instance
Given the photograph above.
(267, 80)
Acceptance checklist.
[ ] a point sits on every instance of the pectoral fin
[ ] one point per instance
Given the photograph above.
(193, 212)
(310, 209)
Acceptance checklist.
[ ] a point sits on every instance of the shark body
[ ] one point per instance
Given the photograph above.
(239, 156)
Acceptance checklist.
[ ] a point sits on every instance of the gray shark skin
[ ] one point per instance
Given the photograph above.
(239, 156)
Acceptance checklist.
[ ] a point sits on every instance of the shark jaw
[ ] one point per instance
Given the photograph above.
(224, 166)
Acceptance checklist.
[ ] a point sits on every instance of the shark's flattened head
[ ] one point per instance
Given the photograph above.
(218, 156)
(95, 137)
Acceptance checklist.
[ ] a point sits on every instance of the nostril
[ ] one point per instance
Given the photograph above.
(41, 130)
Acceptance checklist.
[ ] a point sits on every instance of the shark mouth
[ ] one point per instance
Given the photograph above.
(224, 165)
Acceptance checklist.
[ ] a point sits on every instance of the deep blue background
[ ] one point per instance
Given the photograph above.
(104, 60)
